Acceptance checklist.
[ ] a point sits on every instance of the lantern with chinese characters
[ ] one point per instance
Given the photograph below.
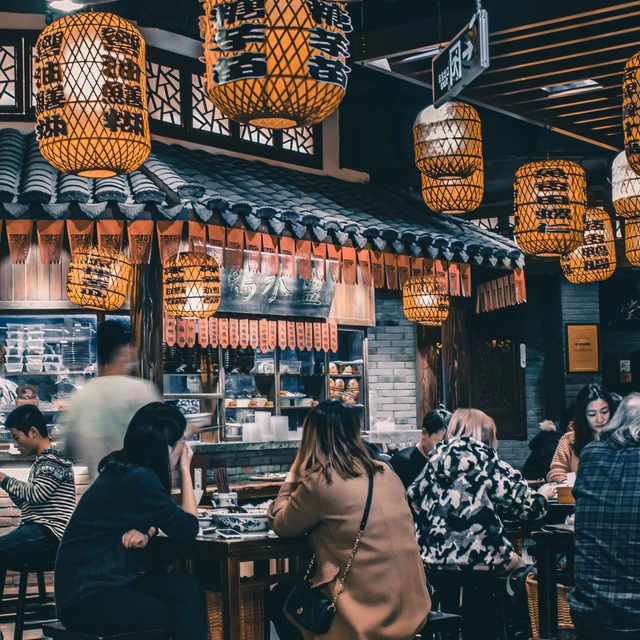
(446, 195)
(191, 286)
(91, 103)
(448, 141)
(631, 111)
(98, 278)
(276, 63)
(632, 241)
(550, 202)
(595, 259)
(422, 302)
(625, 187)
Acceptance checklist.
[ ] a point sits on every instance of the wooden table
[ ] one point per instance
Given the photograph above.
(548, 547)
(213, 556)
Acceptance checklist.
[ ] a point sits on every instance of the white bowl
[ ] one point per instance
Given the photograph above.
(255, 520)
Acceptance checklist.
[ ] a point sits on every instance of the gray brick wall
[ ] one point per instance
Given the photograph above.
(392, 366)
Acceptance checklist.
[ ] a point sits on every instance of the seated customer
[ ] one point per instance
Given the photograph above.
(543, 448)
(594, 408)
(606, 601)
(465, 493)
(409, 462)
(99, 586)
(46, 500)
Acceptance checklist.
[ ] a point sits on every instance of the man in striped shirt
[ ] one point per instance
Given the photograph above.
(46, 500)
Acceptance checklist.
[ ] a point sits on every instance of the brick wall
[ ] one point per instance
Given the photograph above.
(392, 366)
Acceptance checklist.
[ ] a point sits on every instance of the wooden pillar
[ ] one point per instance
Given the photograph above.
(456, 357)
(427, 339)
(146, 317)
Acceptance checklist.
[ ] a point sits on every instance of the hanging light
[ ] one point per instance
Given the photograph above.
(91, 102)
(550, 202)
(625, 187)
(191, 286)
(595, 259)
(631, 112)
(98, 278)
(423, 303)
(448, 141)
(281, 65)
(632, 241)
(444, 195)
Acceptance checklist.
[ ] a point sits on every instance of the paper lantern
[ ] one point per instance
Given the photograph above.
(191, 286)
(444, 195)
(550, 202)
(632, 241)
(595, 259)
(98, 278)
(423, 303)
(276, 64)
(91, 104)
(631, 111)
(625, 187)
(448, 141)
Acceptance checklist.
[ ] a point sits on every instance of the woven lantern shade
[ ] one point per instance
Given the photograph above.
(191, 286)
(444, 195)
(632, 241)
(550, 202)
(91, 105)
(448, 141)
(625, 187)
(631, 111)
(281, 64)
(595, 259)
(423, 303)
(98, 278)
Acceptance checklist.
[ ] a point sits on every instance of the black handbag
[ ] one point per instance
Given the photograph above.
(308, 606)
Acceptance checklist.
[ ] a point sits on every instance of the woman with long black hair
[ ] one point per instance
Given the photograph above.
(99, 585)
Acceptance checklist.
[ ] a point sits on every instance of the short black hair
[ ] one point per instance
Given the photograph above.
(111, 336)
(25, 417)
(435, 421)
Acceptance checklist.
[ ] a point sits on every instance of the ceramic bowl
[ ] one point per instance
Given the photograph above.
(251, 522)
(225, 499)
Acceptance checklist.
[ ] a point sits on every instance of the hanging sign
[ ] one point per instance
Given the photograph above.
(170, 336)
(213, 332)
(320, 259)
(253, 251)
(254, 334)
(465, 280)
(326, 342)
(197, 237)
(110, 234)
(442, 276)
(317, 336)
(303, 258)
(308, 336)
(270, 251)
(234, 333)
(462, 60)
(282, 334)
(300, 340)
(223, 332)
(263, 331)
(404, 269)
(333, 335)
(169, 239)
(203, 333)
(50, 236)
(417, 267)
(273, 334)
(217, 241)
(287, 257)
(335, 262)
(521, 288)
(191, 333)
(391, 270)
(454, 279)
(80, 234)
(291, 335)
(181, 332)
(349, 267)
(235, 249)
(19, 233)
(243, 327)
(364, 260)
(140, 234)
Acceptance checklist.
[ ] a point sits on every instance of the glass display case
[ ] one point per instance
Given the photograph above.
(347, 370)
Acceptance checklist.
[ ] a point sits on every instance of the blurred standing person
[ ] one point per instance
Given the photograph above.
(410, 462)
(101, 411)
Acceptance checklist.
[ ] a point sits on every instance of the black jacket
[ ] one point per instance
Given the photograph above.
(543, 448)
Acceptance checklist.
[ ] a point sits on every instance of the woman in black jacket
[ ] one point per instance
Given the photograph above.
(99, 585)
(543, 447)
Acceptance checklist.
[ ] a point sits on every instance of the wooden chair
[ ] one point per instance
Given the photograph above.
(57, 632)
(440, 623)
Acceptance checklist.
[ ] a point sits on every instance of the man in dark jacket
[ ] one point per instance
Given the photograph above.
(543, 448)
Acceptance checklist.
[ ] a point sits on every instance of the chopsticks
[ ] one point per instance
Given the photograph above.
(222, 480)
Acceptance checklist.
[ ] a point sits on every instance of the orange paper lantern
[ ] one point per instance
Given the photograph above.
(422, 302)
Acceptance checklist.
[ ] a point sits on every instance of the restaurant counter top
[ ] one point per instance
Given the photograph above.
(203, 448)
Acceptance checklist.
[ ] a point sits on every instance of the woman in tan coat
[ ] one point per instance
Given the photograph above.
(385, 595)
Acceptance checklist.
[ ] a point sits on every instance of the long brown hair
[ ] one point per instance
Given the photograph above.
(331, 442)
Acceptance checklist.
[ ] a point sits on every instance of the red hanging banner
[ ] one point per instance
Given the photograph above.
(291, 335)
(502, 303)
(495, 303)
(442, 276)
(404, 269)
(203, 333)
(270, 251)
(234, 333)
(287, 257)
(365, 267)
(303, 259)
(308, 336)
(223, 332)
(333, 335)
(213, 332)
(254, 334)
(217, 242)
(465, 280)
(140, 240)
(454, 279)
(349, 266)
(197, 237)
(273, 334)
(191, 333)
(300, 340)
(169, 239)
(254, 251)
(80, 234)
(235, 249)
(320, 259)
(506, 285)
(181, 332)
(170, 336)
(110, 234)
(521, 287)
(263, 330)
(334, 255)
(244, 332)
(20, 233)
(282, 334)
(377, 269)
(326, 342)
(391, 270)
(417, 267)
(317, 336)
(50, 236)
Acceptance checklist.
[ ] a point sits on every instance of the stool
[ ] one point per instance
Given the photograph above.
(24, 603)
(57, 632)
(489, 582)
(438, 623)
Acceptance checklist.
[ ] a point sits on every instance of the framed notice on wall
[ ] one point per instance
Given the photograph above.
(583, 352)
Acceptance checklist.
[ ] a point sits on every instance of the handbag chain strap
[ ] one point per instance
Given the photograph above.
(363, 525)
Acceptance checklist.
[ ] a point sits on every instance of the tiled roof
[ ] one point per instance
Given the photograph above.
(177, 182)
